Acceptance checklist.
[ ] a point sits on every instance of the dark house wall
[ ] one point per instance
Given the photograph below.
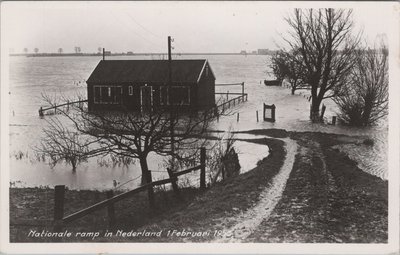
(206, 90)
(128, 102)
(133, 102)
(202, 91)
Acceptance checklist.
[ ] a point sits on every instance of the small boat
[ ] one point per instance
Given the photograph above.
(272, 83)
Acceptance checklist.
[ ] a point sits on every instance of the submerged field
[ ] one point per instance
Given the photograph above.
(61, 76)
(326, 198)
(329, 187)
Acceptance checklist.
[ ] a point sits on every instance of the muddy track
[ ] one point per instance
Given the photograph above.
(248, 221)
(327, 199)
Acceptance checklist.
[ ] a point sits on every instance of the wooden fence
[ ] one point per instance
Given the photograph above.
(67, 104)
(231, 84)
(231, 102)
(239, 97)
(59, 192)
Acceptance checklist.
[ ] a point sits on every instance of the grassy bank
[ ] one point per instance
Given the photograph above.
(30, 209)
(327, 199)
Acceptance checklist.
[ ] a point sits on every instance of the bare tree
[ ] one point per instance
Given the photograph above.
(290, 66)
(25, 50)
(364, 97)
(279, 65)
(60, 144)
(223, 158)
(99, 49)
(77, 49)
(60, 50)
(324, 39)
(136, 134)
(36, 50)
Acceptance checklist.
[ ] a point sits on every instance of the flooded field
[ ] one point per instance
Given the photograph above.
(65, 76)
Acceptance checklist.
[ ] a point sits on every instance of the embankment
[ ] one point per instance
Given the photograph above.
(32, 208)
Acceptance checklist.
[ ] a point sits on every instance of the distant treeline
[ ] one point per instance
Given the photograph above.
(120, 54)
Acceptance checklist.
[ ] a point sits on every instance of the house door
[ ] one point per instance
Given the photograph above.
(146, 98)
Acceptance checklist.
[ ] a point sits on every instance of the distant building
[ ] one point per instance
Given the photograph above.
(129, 53)
(243, 52)
(263, 51)
(135, 85)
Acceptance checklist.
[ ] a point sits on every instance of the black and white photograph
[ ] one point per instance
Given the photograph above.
(200, 127)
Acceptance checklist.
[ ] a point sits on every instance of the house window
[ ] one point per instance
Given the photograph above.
(107, 94)
(130, 90)
(180, 95)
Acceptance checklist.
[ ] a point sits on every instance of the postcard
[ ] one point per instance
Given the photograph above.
(189, 127)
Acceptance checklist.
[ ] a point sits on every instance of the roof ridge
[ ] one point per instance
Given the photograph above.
(131, 70)
(109, 60)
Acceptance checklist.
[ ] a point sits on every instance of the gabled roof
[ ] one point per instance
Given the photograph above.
(120, 71)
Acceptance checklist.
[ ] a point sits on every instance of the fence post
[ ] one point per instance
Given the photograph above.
(264, 112)
(333, 120)
(257, 115)
(243, 88)
(322, 112)
(203, 168)
(173, 182)
(237, 117)
(67, 105)
(150, 190)
(55, 109)
(59, 191)
(41, 112)
(273, 112)
(111, 210)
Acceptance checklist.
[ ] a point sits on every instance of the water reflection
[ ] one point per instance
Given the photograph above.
(91, 175)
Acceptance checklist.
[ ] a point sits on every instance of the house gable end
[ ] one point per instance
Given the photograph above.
(203, 70)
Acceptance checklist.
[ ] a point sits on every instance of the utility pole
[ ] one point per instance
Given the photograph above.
(169, 63)
(171, 116)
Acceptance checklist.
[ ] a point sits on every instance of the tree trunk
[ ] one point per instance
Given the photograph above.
(73, 164)
(314, 112)
(294, 85)
(368, 105)
(146, 175)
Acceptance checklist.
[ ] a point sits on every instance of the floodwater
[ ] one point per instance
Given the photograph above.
(65, 76)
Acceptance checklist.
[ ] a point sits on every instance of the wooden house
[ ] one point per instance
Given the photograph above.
(135, 85)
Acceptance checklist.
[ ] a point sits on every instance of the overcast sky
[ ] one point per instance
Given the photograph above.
(144, 26)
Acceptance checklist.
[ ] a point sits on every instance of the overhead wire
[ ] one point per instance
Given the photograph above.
(143, 27)
(134, 31)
